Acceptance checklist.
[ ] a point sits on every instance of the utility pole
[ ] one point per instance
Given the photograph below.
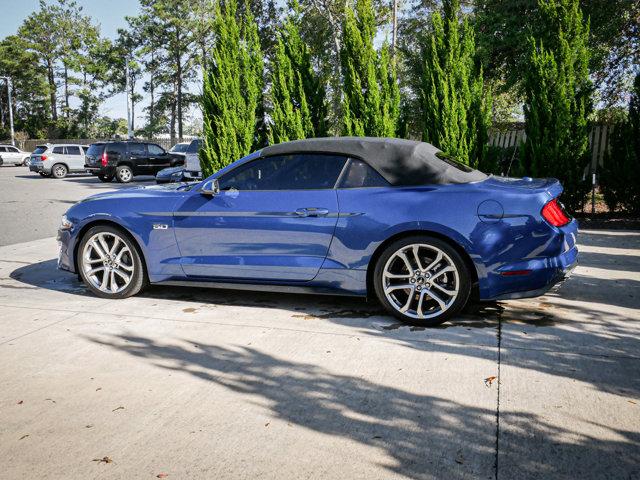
(13, 135)
(129, 131)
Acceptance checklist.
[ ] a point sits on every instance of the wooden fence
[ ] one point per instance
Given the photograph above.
(599, 136)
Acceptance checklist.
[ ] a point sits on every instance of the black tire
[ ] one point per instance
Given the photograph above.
(1, 161)
(124, 174)
(59, 170)
(24, 161)
(138, 277)
(463, 280)
(105, 178)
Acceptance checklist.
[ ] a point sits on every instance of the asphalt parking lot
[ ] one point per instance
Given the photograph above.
(195, 383)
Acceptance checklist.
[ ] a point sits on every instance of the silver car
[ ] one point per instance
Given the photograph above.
(11, 154)
(57, 160)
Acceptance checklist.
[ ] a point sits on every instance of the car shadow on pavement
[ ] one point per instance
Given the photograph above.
(409, 428)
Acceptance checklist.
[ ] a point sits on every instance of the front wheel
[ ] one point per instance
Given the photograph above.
(109, 263)
(59, 170)
(422, 280)
(124, 174)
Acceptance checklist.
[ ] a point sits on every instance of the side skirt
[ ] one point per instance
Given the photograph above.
(260, 287)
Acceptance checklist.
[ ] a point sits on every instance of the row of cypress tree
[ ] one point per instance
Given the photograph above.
(455, 104)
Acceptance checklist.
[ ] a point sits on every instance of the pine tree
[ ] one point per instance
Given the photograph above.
(298, 95)
(558, 101)
(454, 102)
(232, 89)
(620, 176)
(371, 102)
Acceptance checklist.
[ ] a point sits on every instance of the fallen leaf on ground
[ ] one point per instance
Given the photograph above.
(119, 408)
(50, 399)
(266, 424)
(162, 475)
(102, 460)
(24, 436)
(631, 401)
(489, 380)
(99, 388)
(88, 426)
(459, 457)
(376, 436)
(20, 402)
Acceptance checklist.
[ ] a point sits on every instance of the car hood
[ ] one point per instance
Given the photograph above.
(162, 191)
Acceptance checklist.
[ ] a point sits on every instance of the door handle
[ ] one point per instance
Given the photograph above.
(312, 212)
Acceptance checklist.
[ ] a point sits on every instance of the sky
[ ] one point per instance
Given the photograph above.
(109, 14)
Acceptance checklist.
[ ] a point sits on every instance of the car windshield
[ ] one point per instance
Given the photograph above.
(179, 148)
(194, 146)
(95, 149)
(40, 149)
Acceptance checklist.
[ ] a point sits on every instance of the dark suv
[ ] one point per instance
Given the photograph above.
(124, 160)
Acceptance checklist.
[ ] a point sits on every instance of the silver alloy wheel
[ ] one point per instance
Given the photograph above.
(420, 281)
(59, 171)
(107, 262)
(125, 174)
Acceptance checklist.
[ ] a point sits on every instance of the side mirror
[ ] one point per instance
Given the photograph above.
(211, 187)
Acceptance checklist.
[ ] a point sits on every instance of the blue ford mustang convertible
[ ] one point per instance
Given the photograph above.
(393, 218)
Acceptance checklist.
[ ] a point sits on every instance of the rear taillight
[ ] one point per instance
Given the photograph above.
(104, 159)
(555, 214)
(43, 157)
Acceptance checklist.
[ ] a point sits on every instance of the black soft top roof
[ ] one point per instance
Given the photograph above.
(400, 162)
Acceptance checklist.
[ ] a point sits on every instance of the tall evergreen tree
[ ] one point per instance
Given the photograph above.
(371, 98)
(297, 93)
(454, 102)
(232, 89)
(620, 175)
(558, 101)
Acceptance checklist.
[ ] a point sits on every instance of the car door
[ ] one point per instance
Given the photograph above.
(138, 154)
(273, 220)
(74, 158)
(158, 157)
(12, 155)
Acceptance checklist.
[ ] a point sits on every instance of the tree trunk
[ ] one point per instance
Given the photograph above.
(133, 105)
(394, 36)
(172, 126)
(66, 90)
(52, 91)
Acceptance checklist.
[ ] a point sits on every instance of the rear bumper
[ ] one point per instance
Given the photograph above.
(107, 171)
(536, 273)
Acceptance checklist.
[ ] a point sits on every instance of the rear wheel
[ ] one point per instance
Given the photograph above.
(59, 170)
(124, 174)
(105, 178)
(109, 263)
(422, 280)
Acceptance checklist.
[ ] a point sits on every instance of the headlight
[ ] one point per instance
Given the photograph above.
(65, 224)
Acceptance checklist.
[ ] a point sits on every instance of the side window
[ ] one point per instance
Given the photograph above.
(73, 150)
(289, 172)
(116, 148)
(12, 149)
(137, 149)
(58, 150)
(155, 149)
(84, 150)
(359, 175)
(3, 149)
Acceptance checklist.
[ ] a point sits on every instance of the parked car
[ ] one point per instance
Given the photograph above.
(57, 160)
(11, 154)
(177, 174)
(179, 149)
(192, 161)
(393, 218)
(123, 160)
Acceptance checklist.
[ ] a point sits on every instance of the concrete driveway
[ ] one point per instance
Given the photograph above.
(222, 384)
